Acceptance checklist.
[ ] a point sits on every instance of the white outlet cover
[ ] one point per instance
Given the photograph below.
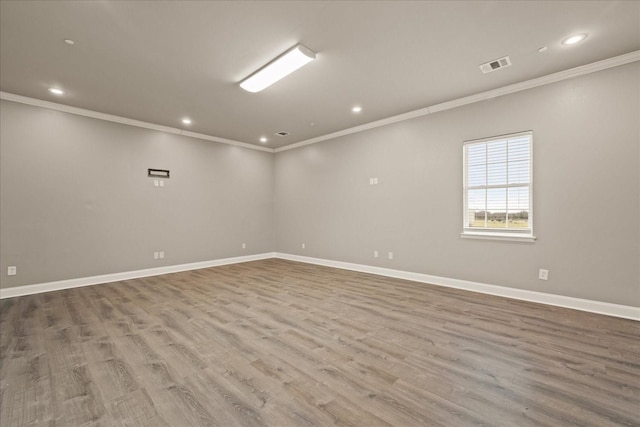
(390, 255)
(375, 254)
(161, 254)
(304, 246)
(543, 274)
(12, 271)
(161, 183)
(156, 255)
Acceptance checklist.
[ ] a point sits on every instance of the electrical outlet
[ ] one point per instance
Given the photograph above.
(375, 254)
(12, 271)
(161, 254)
(543, 274)
(304, 246)
(390, 255)
(244, 246)
(162, 183)
(156, 255)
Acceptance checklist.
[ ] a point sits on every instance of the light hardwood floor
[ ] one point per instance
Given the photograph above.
(279, 343)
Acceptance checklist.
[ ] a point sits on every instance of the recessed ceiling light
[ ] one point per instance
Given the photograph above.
(186, 121)
(263, 139)
(279, 68)
(357, 109)
(56, 91)
(69, 41)
(574, 39)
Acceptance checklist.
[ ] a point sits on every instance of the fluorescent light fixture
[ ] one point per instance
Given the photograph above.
(56, 91)
(574, 39)
(280, 67)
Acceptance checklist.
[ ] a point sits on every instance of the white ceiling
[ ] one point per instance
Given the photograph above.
(160, 61)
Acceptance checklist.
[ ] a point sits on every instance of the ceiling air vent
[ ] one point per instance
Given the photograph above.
(281, 133)
(496, 64)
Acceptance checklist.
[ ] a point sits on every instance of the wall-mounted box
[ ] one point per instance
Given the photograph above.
(158, 173)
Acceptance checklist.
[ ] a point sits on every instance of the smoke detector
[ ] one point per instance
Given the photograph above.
(494, 65)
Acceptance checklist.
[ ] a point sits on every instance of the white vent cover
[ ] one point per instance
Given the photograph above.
(496, 64)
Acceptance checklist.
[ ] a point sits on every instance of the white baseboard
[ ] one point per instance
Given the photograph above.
(616, 310)
(18, 291)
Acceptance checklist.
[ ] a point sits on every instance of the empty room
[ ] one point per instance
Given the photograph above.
(318, 213)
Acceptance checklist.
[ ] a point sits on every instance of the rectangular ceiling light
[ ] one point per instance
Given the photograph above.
(280, 67)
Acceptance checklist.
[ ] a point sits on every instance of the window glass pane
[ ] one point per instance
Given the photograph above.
(497, 152)
(496, 207)
(497, 199)
(476, 199)
(476, 207)
(497, 173)
(518, 219)
(519, 148)
(518, 198)
(519, 172)
(496, 163)
(476, 154)
(476, 218)
(476, 175)
(518, 201)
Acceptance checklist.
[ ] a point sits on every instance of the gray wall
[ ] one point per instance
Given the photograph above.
(586, 192)
(75, 199)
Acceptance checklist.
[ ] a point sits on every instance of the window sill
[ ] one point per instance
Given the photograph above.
(499, 236)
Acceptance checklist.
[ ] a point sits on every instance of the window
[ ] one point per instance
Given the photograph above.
(498, 188)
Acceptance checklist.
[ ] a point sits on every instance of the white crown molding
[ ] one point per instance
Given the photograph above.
(226, 141)
(448, 105)
(123, 120)
(482, 96)
(615, 310)
(86, 113)
(18, 291)
(356, 129)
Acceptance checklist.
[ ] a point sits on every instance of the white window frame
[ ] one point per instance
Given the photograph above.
(514, 234)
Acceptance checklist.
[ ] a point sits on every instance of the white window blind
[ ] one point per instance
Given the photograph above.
(498, 187)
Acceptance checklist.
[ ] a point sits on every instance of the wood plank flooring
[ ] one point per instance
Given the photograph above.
(280, 343)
